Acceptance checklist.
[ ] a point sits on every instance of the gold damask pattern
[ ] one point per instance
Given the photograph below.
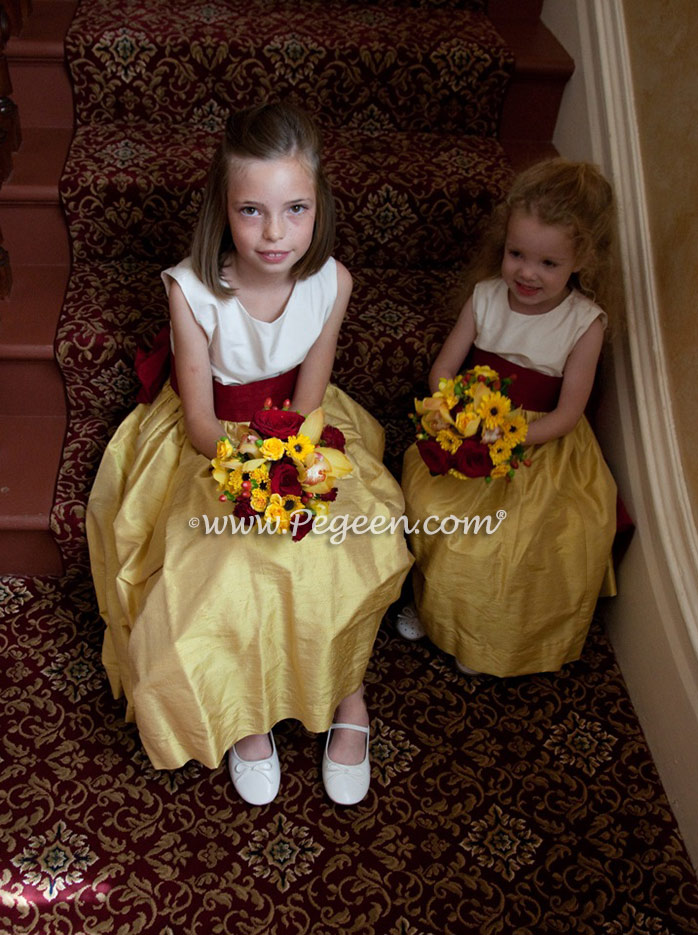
(527, 806)
(408, 200)
(443, 69)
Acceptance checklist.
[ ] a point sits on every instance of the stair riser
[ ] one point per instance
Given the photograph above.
(42, 93)
(521, 121)
(34, 234)
(29, 552)
(31, 388)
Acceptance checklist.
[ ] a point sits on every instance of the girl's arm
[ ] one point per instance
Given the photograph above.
(455, 348)
(193, 375)
(577, 382)
(315, 370)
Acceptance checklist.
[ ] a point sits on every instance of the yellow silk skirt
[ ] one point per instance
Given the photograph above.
(214, 636)
(515, 593)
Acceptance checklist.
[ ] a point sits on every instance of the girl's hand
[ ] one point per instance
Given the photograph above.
(577, 381)
(455, 348)
(193, 375)
(315, 370)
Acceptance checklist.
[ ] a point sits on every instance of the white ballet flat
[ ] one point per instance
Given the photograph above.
(256, 781)
(408, 624)
(346, 785)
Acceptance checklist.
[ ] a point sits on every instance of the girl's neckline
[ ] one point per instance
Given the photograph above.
(263, 321)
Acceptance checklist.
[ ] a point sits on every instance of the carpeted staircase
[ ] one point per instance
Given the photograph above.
(498, 807)
(410, 100)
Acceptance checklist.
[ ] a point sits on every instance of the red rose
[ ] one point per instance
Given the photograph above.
(473, 459)
(283, 479)
(276, 423)
(301, 524)
(333, 438)
(436, 459)
(243, 510)
(330, 495)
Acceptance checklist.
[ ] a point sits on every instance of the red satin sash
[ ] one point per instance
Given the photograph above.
(231, 403)
(532, 390)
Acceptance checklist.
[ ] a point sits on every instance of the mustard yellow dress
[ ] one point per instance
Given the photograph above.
(214, 636)
(517, 599)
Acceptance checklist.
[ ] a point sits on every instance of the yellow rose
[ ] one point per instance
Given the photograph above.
(273, 449)
(224, 449)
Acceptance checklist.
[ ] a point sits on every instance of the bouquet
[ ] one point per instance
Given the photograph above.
(281, 469)
(468, 428)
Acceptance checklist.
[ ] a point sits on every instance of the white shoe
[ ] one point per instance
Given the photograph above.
(466, 670)
(408, 624)
(256, 781)
(346, 785)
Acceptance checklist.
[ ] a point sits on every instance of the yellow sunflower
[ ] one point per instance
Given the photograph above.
(492, 409)
(515, 430)
(299, 447)
(500, 452)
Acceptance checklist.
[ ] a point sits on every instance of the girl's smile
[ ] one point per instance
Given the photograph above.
(538, 261)
(271, 208)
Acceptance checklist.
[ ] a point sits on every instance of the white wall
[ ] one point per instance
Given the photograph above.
(652, 623)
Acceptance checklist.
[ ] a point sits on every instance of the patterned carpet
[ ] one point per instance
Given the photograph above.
(498, 807)
(516, 807)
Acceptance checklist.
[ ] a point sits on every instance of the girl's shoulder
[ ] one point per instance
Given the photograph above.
(584, 309)
(197, 294)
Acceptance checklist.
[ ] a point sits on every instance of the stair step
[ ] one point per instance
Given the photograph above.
(542, 70)
(422, 208)
(386, 67)
(40, 80)
(31, 218)
(27, 443)
(28, 319)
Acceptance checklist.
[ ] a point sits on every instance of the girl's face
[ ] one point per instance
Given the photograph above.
(537, 264)
(271, 211)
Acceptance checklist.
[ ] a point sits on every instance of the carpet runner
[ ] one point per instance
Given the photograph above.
(498, 807)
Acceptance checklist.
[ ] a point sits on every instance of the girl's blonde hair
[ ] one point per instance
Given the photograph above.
(269, 131)
(573, 195)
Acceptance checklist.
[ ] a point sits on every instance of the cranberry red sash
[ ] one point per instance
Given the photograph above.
(232, 403)
(531, 390)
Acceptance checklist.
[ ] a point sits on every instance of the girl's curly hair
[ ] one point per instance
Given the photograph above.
(572, 195)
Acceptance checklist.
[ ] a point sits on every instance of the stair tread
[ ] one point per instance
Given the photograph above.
(409, 68)
(43, 32)
(24, 440)
(28, 318)
(145, 179)
(37, 165)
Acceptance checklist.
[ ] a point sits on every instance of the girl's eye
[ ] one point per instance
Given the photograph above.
(248, 211)
(297, 209)
(551, 264)
(515, 253)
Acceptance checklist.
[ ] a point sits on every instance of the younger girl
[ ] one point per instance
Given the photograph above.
(520, 600)
(215, 638)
